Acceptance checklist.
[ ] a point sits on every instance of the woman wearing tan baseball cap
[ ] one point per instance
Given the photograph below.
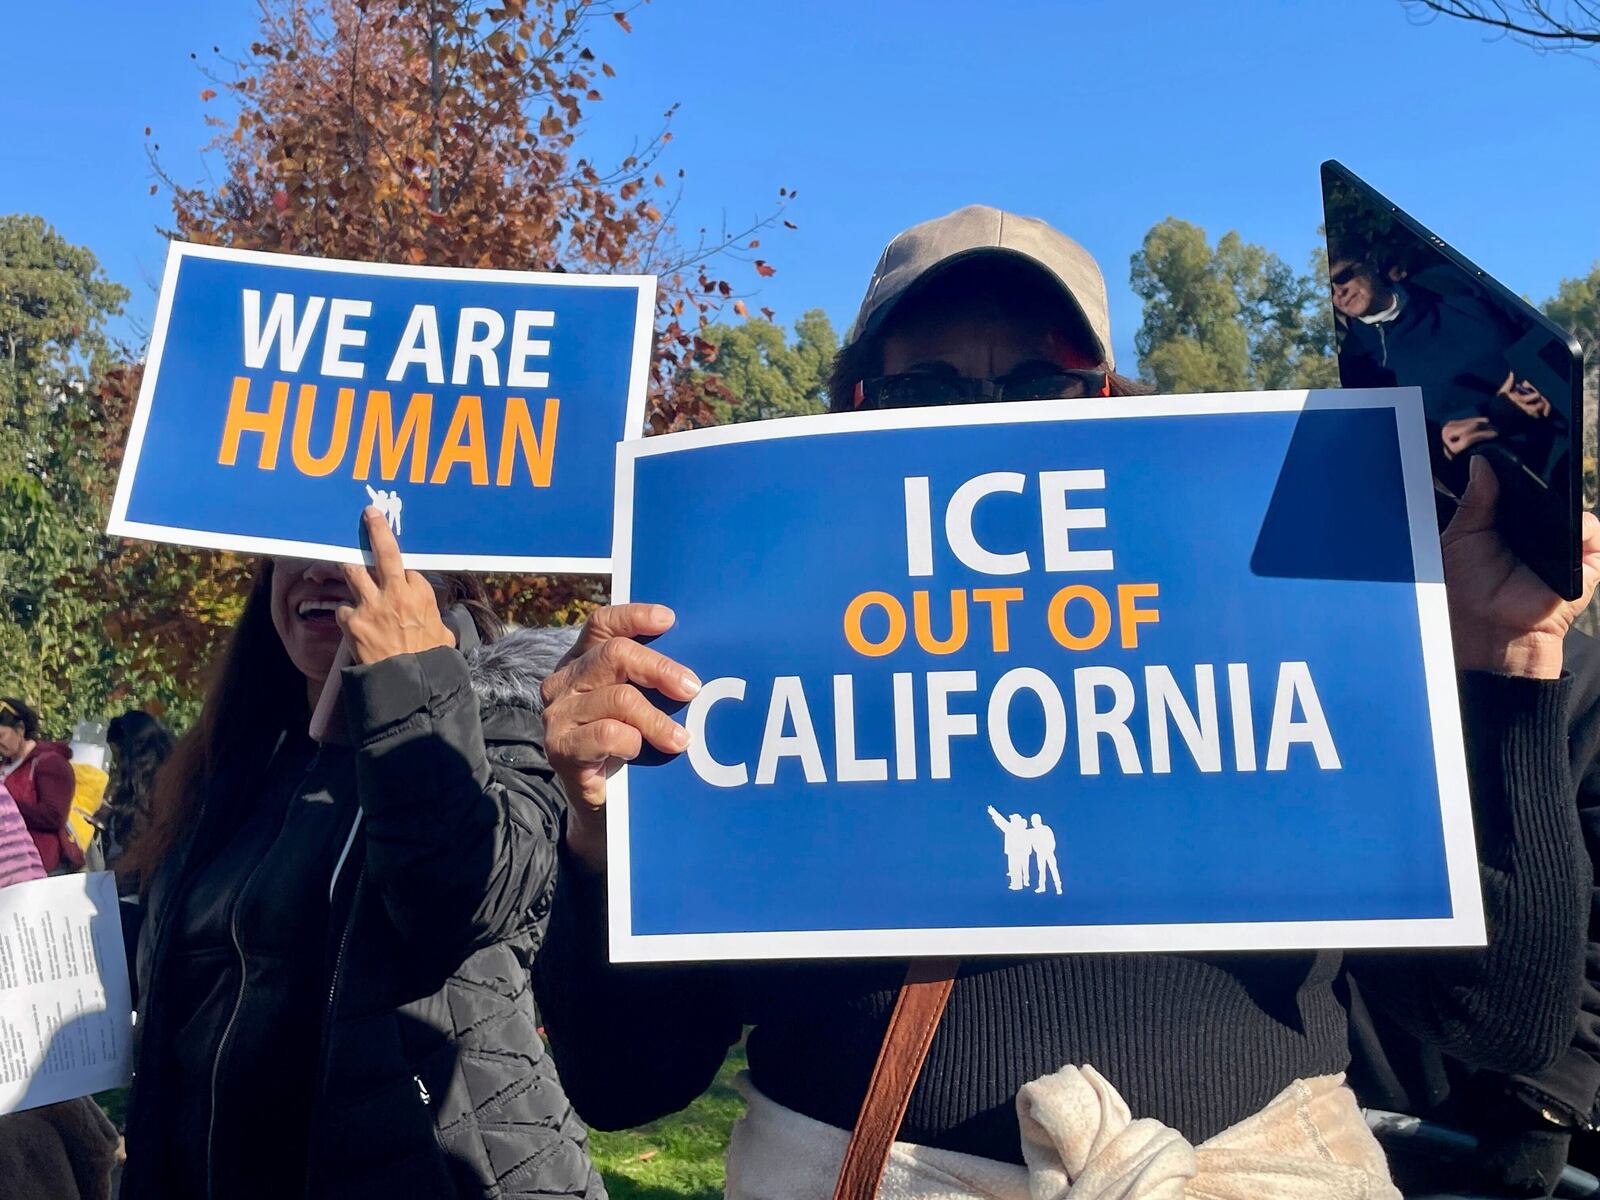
(979, 305)
(1036, 1066)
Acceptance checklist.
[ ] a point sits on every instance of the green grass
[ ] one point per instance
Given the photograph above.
(115, 1105)
(678, 1157)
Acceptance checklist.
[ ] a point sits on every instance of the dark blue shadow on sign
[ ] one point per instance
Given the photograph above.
(1331, 515)
(649, 756)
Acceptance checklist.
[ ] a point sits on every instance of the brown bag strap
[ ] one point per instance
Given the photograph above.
(905, 1045)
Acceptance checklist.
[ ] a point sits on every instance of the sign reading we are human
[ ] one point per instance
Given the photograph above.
(1091, 675)
(478, 409)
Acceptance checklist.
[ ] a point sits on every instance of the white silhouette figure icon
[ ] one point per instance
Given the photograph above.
(1043, 840)
(1025, 842)
(1018, 846)
(389, 504)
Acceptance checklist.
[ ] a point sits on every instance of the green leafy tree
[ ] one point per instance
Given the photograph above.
(54, 303)
(88, 624)
(751, 371)
(54, 300)
(1234, 317)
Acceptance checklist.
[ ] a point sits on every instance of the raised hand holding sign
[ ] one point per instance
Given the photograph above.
(395, 610)
(597, 717)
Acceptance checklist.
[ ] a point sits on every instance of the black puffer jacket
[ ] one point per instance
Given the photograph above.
(430, 1077)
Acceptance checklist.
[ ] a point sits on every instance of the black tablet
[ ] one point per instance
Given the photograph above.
(1498, 378)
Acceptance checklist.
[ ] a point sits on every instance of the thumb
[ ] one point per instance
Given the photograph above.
(1476, 512)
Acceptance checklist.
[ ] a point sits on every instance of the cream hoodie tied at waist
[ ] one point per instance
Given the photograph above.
(1079, 1142)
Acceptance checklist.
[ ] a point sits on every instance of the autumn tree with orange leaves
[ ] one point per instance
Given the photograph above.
(447, 133)
(404, 131)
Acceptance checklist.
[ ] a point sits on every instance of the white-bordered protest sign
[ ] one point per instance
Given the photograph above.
(478, 409)
(1167, 674)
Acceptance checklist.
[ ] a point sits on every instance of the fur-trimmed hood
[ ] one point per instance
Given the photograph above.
(508, 671)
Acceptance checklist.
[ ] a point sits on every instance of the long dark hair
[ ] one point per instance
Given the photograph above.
(140, 744)
(255, 692)
(991, 280)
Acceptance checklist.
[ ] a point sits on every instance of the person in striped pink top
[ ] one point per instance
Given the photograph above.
(19, 857)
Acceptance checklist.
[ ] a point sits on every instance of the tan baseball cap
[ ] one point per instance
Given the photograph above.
(923, 250)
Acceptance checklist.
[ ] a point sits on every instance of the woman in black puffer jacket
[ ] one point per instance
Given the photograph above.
(333, 972)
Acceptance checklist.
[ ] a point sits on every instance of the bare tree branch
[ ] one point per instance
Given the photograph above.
(1543, 24)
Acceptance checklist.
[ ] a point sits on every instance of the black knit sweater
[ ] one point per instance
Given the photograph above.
(1196, 1041)
(1392, 1070)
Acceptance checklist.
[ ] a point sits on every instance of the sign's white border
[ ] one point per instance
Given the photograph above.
(633, 418)
(1465, 927)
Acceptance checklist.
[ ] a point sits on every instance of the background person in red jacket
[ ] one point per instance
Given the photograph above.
(39, 779)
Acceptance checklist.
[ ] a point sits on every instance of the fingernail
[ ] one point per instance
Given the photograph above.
(661, 614)
(680, 736)
(371, 512)
(691, 683)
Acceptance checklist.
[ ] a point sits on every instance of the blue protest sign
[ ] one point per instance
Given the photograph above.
(1127, 674)
(478, 409)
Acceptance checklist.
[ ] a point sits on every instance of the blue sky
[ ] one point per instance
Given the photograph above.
(1103, 116)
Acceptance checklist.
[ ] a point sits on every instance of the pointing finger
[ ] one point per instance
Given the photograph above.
(385, 550)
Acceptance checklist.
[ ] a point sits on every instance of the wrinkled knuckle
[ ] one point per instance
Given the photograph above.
(657, 665)
(627, 740)
(631, 702)
(559, 711)
(604, 736)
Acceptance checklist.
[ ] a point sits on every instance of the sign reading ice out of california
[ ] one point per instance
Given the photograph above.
(1119, 674)
(479, 410)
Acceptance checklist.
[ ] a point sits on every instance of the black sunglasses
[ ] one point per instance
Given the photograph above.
(923, 390)
(1346, 275)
